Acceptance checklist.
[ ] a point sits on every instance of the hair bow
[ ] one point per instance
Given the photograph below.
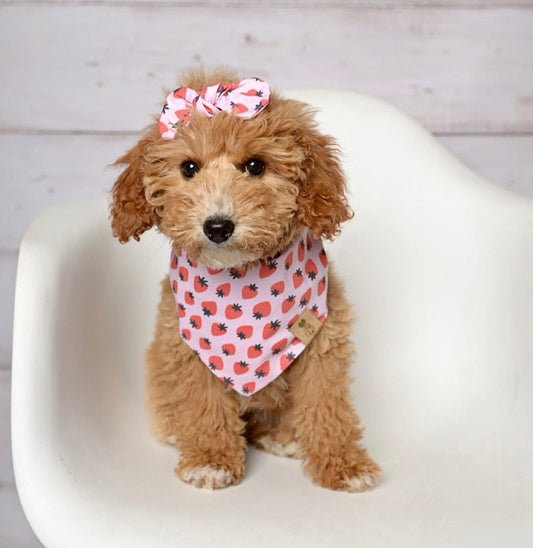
(245, 99)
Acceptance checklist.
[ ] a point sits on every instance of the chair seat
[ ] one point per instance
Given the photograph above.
(439, 266)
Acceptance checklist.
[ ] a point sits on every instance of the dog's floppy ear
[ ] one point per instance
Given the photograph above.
(131, 215)
(323, 204)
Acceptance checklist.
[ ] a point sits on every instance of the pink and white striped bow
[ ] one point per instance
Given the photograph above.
(245, 99)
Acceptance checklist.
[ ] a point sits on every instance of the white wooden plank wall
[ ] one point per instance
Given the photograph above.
(79, 79)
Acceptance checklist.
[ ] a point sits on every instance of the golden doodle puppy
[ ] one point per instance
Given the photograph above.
(252, 337)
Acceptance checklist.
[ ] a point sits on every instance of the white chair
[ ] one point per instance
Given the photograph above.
(439, 266)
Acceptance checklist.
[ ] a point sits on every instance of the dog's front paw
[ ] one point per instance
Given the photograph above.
(209, 476)
(351, 476)
(363, 477)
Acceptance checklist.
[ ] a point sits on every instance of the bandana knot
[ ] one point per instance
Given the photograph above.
(245, 99)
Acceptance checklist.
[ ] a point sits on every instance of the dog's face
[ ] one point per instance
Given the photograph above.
(233, 191)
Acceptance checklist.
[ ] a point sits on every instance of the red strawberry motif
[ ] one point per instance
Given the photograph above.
(181, 310)
(215, 363)
(189, 297)
(209, 308)
(218, 329)
(279, 346)
(310, 269)
(239, 108)
(249, 291)
(286, 360)
(301, 250)
(214, 271)
(223, 290)
(277, 288)
(268, 268)
(174, 286)
(162, 128)
(291, 323)
(200, 284)
(321, 285)
(186, 334)
(233, 311)
(263, 370)
(228, 349)
(180, 93)
(192, 262)
(297, 278)
(240, 368)
(183, 115)
(255, 351)
(228, 381)
(271, 328)
(250, 93)
(323, 258)
(288, 261)
(237, 273)
(304, 301)
(248, 388)
(183, 274)
(196, 322)
(314, 311)
(322, 318)
(227, 87)
(174, 263)
(245, 332)
(288, 303)
(205, 343)
(261, 310)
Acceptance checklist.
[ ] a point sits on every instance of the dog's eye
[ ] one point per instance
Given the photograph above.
(189, 169)
(254, 167)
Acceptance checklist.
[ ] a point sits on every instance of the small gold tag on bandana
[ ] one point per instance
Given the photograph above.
(306, 326)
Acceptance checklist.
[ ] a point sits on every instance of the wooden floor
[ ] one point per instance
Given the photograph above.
(80, 79)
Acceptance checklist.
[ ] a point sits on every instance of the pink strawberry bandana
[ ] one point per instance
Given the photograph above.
(245, 99)
(247, 326)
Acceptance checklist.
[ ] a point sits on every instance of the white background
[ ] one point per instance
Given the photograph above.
(79, 80)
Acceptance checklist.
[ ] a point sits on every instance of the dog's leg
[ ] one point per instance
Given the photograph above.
(211, 438)
(191, 408)
(327, 428)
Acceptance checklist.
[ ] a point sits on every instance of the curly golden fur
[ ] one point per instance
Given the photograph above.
(306, 412)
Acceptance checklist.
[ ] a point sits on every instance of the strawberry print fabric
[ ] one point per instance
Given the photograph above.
(238, 321)
(245, 99)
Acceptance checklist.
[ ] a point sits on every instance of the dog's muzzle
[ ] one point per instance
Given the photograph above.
(218, 229)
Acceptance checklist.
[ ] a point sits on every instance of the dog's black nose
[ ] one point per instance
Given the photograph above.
(218, 229)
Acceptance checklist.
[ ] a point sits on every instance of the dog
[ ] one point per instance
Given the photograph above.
(252, 342)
